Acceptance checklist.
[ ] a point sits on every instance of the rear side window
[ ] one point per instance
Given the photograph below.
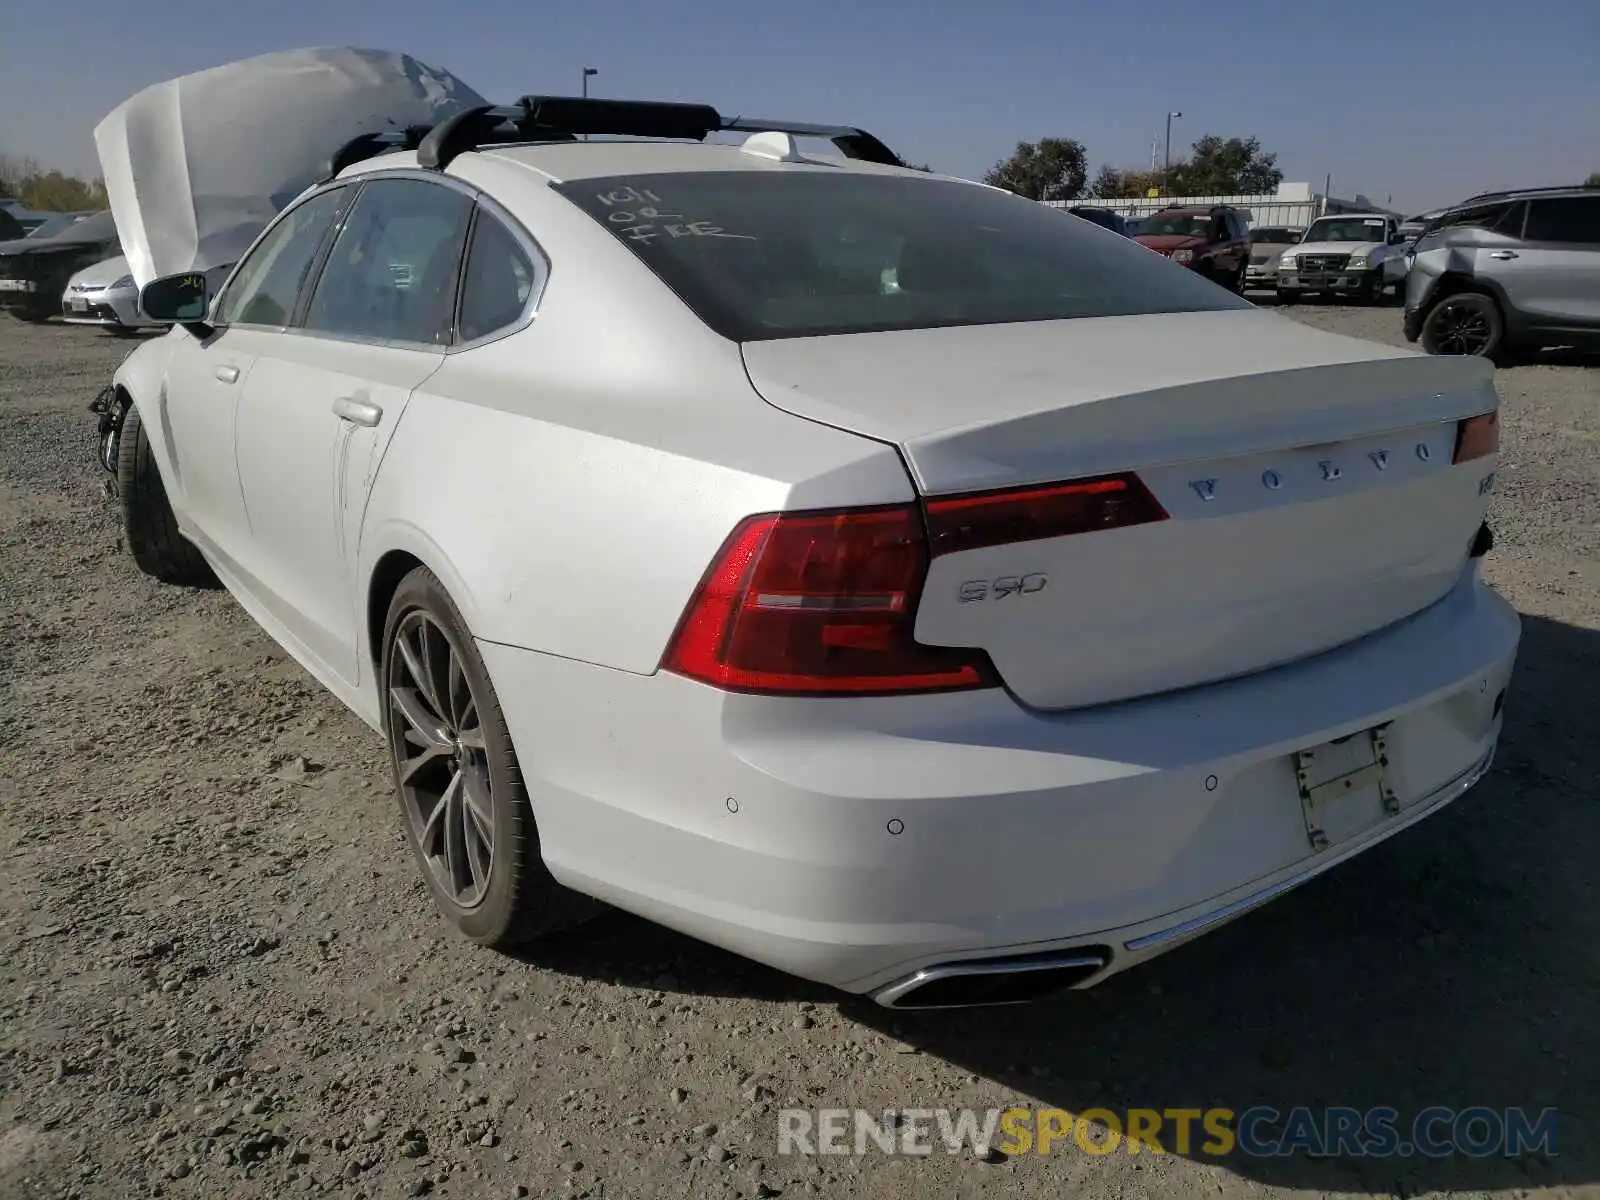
(391, 275)
(1565, 219)
(760, 254)
(499, 281)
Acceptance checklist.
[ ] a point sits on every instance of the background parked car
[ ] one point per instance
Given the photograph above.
(58, 223)
(1103, 217)
(1508, 270)
(105, 294)
(34, 271)
(1213, 240)
(21, 217)
(1266, 246)
(1359, 254)
(10, 228)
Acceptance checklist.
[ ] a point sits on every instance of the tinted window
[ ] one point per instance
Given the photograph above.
(264, 290)
(1348, 229)
(499, 281)
(1565, 219)
(1276, 237)
(792, 254)
(392, 272)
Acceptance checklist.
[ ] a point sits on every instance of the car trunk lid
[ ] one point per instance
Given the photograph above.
(1307, 479)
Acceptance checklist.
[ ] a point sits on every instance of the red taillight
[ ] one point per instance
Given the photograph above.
(957, 523)
(819, 603)
(1477, 437)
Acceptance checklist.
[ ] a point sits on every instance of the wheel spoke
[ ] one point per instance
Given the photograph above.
(428, 730)
(414, 665)
(479, 804)
(472, 738)
(430, 830)
(457, 694)
(435, 653)
(453, 833)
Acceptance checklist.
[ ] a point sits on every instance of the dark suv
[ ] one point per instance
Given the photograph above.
(1211, 239)
(1507, 270)
(35, 270)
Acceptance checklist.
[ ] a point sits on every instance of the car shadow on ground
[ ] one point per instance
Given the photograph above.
(1455, 965)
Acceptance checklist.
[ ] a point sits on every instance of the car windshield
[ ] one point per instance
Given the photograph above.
(1346, 229)
(1175, 224)
(762, 255)
(1278, 237)
(54, 225)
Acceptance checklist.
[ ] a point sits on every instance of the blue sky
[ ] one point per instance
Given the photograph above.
(1421, 99)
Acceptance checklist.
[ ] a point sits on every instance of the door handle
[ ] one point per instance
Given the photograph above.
(1502, 254)
(227, 374)
(357, 412)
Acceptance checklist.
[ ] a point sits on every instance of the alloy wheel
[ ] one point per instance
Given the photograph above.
(440, 759)
(1462, 329)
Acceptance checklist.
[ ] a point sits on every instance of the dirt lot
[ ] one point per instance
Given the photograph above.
(221, 976)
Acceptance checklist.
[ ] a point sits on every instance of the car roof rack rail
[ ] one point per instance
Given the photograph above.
(370, 145)
(1527, 191)
(535, 119)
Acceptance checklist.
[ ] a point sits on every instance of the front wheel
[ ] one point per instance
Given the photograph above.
(1465, 323)
(1372, 290)
(464, 806)
(1288, 295)
(151, 528)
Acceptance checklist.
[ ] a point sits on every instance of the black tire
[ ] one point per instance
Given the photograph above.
(1288, 295)
(518, 900)
(1372, 290)
(32, 318)
(1465, 323)
(147, 519)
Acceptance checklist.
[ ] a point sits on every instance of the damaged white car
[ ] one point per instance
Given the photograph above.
(858, 568)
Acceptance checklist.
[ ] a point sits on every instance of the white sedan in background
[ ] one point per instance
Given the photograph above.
(951, 641)
(106, 295)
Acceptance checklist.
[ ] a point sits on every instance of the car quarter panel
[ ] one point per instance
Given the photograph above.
(578, 476)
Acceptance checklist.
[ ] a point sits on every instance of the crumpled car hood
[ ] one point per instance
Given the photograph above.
(196, 166)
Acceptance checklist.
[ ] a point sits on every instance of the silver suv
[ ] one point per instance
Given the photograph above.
(1508, 270)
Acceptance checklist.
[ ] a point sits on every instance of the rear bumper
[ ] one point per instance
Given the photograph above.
(857, 842)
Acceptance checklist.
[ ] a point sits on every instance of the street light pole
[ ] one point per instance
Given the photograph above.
(587, 72)
(1166, 162)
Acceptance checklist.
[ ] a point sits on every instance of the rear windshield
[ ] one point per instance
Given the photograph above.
(1346, 229)
(762, 255)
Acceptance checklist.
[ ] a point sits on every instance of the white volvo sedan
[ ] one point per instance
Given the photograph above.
(863, 570)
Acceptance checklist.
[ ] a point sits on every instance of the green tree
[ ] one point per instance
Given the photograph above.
(1124, 183)
(1232, 167)
(1049, 169)
(42, 190)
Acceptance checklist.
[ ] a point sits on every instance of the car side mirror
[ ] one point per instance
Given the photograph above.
(179, 299)
(1397, 239)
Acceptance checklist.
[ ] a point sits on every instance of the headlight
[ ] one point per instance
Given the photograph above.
(1358, 262)
(1182, 256)
(1286, 263)
(125, 281)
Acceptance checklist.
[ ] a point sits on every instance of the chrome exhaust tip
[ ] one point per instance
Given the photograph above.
(994, 981)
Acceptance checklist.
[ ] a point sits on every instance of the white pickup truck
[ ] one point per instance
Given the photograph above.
(1360, 254)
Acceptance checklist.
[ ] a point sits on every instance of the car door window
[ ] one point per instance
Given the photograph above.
(499, 282)
(268, 282)
(1571, 219)
(391, 275)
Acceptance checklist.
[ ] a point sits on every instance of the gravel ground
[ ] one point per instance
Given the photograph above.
(221, 976)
